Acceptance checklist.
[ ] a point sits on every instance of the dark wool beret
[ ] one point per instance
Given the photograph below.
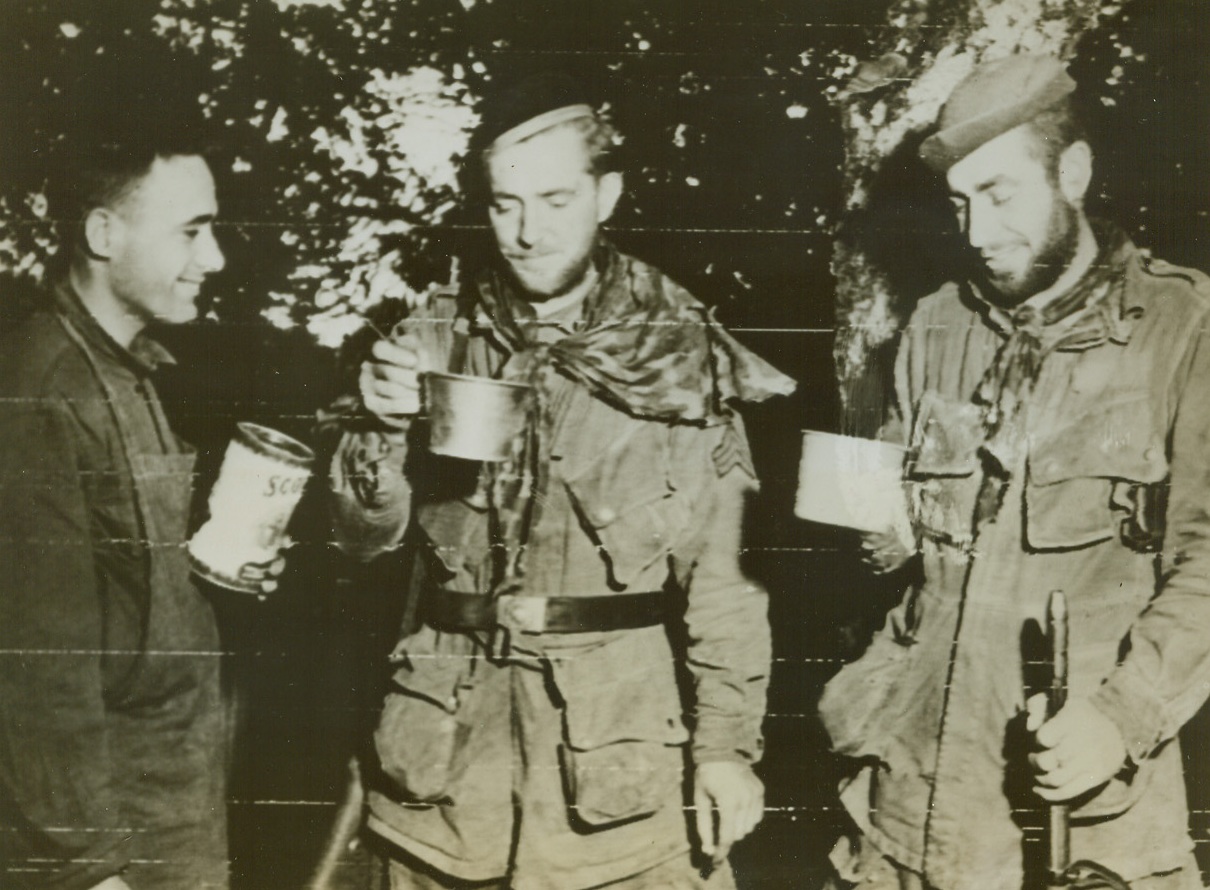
(993, 99)
(529, 106)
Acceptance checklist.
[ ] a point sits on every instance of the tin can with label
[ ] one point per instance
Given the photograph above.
(261, 481)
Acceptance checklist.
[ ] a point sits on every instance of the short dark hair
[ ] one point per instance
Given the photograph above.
(105, 164)
(1053, 131)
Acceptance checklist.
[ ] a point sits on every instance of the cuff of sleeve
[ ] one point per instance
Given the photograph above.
(370, 495)
(1135, 711)
(93, 866)
(734, 741)
(370, 466)
(349, 414)
(396, 447)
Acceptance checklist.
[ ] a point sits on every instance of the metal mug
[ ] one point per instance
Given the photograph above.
(474, 418)
(852, 482)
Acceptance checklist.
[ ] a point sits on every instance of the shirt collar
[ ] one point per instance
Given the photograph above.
(143, 357)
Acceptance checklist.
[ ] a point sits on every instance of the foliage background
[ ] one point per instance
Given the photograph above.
(343, 121)
(338, 189)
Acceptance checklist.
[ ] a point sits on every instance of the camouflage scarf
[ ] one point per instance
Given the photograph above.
(644, 346)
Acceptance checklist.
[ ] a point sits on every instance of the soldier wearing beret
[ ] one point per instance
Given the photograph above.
(1053, 400)
(579, 703)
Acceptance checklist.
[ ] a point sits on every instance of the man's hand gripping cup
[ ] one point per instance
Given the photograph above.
(389, 382)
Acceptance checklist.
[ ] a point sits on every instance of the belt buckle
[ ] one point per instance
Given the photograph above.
(526, 614)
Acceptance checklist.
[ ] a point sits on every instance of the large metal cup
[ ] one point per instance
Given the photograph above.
(851, 482)
(474, 418)
(262, 478)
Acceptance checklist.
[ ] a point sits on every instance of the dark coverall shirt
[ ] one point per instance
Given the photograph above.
(111, 726)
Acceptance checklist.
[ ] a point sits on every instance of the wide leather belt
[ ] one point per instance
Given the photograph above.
(454, 610)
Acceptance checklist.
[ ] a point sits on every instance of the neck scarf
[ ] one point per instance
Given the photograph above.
(645, 346)
(1078, 319)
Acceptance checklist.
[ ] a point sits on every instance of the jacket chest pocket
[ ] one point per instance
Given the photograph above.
(942, 473)
(1097, 474)
(626, 501)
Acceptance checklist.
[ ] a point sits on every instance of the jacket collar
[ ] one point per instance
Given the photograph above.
(1120, 308)
(145, 353)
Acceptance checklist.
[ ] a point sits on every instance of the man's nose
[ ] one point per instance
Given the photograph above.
(530, 228)
(982, 224)
(209, 255)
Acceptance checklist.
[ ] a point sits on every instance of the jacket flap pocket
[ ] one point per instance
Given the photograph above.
(1072, 471)
(1073, 513)
(631, 526)
(1118, 440)
(420, 732)
(622, 690)
(631, 472)
(946, 438)
(623, 756)
(624, 496)
(417, 743)
(433, 665)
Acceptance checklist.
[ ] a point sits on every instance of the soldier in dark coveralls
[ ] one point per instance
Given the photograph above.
(112, 731)
(535, 734)
(1054, 399)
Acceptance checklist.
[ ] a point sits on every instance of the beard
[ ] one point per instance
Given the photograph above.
(542, 286)
(1058, 250)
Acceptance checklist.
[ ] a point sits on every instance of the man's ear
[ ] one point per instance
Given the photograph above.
(1075, 171)
(101, 231)
(609, 190)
